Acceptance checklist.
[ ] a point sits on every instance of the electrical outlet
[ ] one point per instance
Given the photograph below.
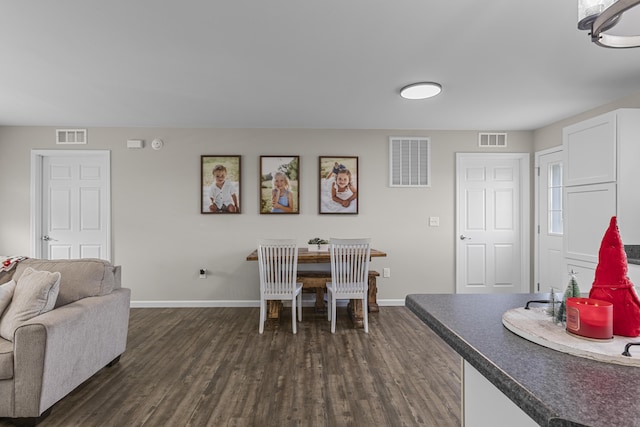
(434, 221)
(203, 273)
(386, 272)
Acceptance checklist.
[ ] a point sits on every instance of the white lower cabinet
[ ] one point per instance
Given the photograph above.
(588, 210)
(486, 406)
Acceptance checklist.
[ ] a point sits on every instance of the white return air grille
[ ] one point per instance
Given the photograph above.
(492, 140)
(71, 136)
(410, 159)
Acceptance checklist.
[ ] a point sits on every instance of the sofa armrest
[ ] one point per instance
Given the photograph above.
(59, 350)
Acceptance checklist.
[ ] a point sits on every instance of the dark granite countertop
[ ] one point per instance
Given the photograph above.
(553, 388)
(633, 253)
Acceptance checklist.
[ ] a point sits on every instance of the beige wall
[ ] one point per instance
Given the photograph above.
(161, 239)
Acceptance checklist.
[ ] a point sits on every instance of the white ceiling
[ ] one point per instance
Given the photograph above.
(503, 64)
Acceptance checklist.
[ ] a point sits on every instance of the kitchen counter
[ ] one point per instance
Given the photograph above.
(553, 388)
(633, 254)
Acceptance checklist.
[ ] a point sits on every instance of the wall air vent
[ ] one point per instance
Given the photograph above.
(409, 163)
(492, 140)
(71, 136)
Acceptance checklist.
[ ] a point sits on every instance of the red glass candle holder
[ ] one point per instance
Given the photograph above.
(590, 318)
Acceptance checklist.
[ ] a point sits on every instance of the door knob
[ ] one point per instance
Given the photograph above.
(463, 237)
(47, 238)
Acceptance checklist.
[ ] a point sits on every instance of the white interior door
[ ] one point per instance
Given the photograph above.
(549, 270)
(71, 204)
(492, 224)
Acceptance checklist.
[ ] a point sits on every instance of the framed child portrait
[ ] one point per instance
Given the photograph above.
(338, 185)
(279, 184)
(220, 181)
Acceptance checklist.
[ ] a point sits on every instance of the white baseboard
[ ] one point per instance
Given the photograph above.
(238, 303)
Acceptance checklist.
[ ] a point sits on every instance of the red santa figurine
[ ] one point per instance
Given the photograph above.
(612, 284)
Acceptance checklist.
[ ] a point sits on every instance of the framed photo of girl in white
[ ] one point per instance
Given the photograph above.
(220, 180)
(338, 189)
(279, 184)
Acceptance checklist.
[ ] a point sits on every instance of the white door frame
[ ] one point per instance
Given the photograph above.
(37, 157)
(536, 214)
(525, 212)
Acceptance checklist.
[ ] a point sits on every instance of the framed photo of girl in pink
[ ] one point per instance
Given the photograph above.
(279, 184)
(338, 185)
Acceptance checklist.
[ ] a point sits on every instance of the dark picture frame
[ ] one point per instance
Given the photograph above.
(279, 185)
(222, 196)
(332, 198)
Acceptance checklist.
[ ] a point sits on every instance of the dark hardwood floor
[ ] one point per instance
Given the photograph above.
(210, 367)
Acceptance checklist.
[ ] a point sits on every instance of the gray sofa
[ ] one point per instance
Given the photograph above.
(54, 352)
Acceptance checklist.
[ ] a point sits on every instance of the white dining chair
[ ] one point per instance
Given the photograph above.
(278, 266)
(349, 275)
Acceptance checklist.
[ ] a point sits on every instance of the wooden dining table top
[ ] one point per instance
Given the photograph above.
(307, 257)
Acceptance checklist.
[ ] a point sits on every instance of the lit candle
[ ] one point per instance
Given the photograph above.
(590, 318)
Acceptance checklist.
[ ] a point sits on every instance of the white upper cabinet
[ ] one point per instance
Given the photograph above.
(590, 151)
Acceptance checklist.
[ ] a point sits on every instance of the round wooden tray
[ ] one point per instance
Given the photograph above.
(536, 326)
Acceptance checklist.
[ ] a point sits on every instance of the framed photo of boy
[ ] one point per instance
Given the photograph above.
(220, 181)
(279, 184)
(338, 185)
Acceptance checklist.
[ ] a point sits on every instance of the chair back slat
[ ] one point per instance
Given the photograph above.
(350, 264)
(278, 266)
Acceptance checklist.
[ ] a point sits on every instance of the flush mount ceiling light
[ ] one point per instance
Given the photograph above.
(599, 16)
(422, 90)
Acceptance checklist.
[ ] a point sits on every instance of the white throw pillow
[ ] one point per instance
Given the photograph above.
(35, 293)
(6, 293)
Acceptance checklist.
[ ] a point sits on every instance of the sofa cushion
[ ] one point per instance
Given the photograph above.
(35, 293)
(6, 294)
(6, 359)
(81, 278)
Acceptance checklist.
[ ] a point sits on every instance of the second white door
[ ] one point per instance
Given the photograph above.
(492, 225)
(550, 273)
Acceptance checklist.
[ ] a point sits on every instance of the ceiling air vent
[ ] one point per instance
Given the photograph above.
(409, 164)
(492, 140)
(71, 136)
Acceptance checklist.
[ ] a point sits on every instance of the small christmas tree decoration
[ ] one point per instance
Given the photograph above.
(612, 284)
(573, 290)
(551, 310)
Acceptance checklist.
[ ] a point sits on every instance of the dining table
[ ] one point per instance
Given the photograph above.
(314, 279)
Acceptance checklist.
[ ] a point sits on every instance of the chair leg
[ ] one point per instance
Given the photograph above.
(365, 314)
(293, 316)
(300, 306)
(329, 293)
(333, 313)
(262, 314)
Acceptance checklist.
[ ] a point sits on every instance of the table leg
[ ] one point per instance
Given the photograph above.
(355, 312)
(373, 295)
(320, 306)
(274, 307)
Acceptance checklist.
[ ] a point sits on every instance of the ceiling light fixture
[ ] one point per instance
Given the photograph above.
(599, 16)
(421, 90)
